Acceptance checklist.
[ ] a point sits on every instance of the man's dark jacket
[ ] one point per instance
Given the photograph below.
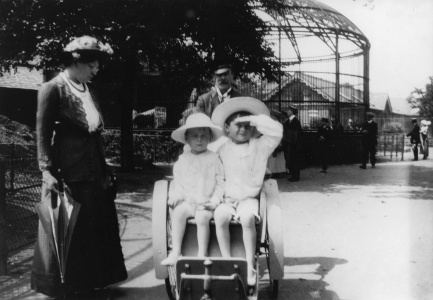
(414, 134)
(207, 102)
(325, 132)
(292, 133)
(369, 138)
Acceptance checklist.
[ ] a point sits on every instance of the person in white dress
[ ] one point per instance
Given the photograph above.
(424, 137)
(198, 183)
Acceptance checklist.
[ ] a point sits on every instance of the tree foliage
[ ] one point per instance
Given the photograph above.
(178, 38)
(423, 100)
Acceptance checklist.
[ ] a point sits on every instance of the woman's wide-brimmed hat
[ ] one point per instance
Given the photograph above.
(88, 43)
(196, 120)
(425, 122)
(237, 104)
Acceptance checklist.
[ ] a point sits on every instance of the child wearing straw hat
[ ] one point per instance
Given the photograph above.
(252, 137)
(198, 184)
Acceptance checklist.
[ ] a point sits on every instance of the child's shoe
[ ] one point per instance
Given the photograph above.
(171, 260)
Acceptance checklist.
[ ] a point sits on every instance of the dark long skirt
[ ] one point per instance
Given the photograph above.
(95, 257)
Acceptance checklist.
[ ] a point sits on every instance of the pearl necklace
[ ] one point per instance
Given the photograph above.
(75, 87)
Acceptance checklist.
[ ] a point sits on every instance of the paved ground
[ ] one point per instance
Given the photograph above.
(351, 234)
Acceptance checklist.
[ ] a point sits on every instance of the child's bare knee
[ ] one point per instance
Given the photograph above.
(221, 220)
(247, 220)
(203, 219)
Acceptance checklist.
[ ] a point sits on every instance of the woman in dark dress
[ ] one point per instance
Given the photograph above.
(70, 150)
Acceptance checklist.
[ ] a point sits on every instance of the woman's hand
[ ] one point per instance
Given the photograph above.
(50, 181)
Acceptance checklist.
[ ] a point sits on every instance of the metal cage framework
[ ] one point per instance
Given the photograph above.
(324, 59)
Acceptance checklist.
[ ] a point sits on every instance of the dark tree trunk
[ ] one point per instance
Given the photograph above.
(126, 134)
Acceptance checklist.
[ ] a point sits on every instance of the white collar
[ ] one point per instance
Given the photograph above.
(292, 117)
(226, 94)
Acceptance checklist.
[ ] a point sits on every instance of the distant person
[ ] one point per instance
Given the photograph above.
(336, 142)
(424, 137)
(350, 125)
(198, 183)
(336, 125)
(324, 137)
(415, 138)
(306, 126)
(221, 91)
(369, 141)
(292, 143)
(194, 96)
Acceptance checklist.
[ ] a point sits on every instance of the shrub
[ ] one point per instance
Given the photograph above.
(148, 147)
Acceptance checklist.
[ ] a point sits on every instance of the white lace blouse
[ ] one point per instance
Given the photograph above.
(92, 114)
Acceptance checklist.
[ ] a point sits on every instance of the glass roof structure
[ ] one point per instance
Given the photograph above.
(319, 46)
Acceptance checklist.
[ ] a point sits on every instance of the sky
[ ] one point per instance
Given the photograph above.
(401, 37)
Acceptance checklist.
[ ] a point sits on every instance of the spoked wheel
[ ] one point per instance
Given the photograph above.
(273, 235)
(273, 282)
(170, 281)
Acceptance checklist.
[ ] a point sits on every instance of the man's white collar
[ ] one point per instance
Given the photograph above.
(220, 95)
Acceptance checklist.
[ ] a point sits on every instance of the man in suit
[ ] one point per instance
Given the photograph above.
(324, 137)
(292, 133)
(336, 143)
(369, 141)
(415, 138)
(221, 91)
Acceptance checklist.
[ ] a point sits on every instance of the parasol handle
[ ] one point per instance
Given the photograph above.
(55, 195)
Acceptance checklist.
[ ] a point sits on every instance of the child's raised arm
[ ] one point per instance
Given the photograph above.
(264, 124)
(272, 131)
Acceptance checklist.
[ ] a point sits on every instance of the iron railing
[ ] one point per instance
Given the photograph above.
(20, 191)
